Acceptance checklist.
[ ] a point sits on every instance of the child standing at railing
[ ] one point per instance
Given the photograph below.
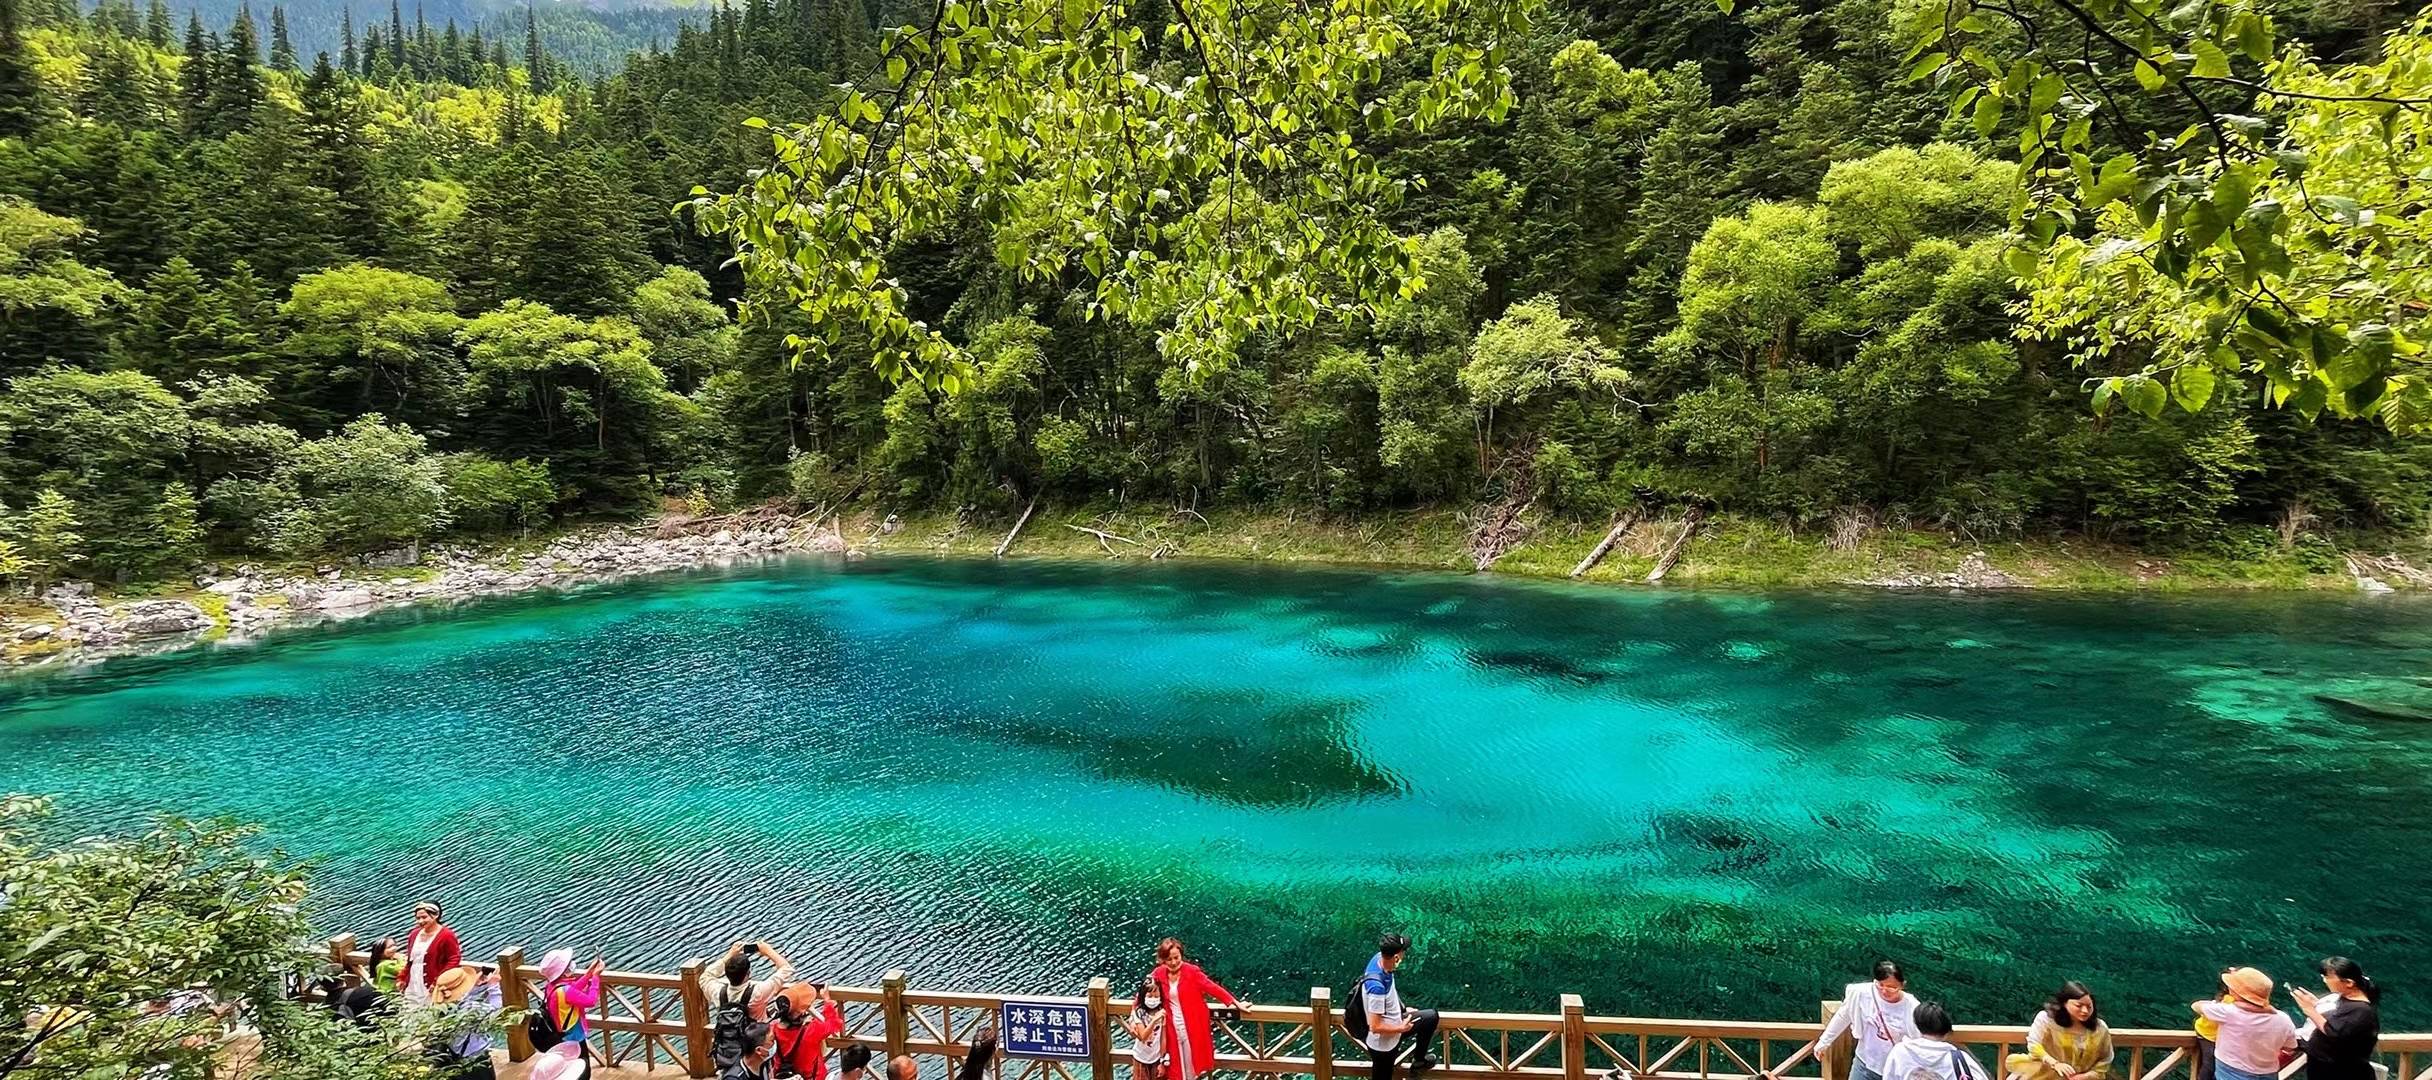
(1147, 1025)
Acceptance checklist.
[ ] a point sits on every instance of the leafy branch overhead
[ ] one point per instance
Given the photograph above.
(1211, 181)
(2199, 200)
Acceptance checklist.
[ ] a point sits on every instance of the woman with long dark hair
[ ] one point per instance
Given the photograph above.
(2345, 1025)
(2067, 1041)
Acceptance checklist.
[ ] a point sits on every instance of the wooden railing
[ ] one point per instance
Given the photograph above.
(652, 1020)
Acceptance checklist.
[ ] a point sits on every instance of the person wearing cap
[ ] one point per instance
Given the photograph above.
(561, 1062)
(563, 1000)
(472, 997)
(2251, 1032)
(430, 949)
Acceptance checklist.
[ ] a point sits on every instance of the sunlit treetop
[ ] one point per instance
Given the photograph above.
(1204, 178)
(2199, 200)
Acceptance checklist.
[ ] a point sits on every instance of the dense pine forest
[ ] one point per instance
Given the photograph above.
(449, 279)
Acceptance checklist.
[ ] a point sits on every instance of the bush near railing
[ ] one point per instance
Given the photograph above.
(648, 1018)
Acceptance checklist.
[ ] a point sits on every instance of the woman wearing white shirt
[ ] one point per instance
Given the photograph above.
(1930, 1055)
(1881, 1012)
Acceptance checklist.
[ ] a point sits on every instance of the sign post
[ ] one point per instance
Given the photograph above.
(1057, 1030)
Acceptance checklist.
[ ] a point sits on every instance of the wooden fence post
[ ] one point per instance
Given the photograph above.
(696, 1020)
(1321, 1033)
(891, 1006)
(1574, 1037)
(1101, 1044)
(513, 999)
(341, 947)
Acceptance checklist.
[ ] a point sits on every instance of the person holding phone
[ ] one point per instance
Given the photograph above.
(802, 1018)
(564, 1002)
(2251, 1031)
(2342, 1027)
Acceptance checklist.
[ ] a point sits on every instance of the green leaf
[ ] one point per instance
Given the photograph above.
(2144, 395)
(2150, 77)
(755, 122)
(1724, 4)
(2211, 62)
(1988, 114)
(1931, 63)
(2192, 386)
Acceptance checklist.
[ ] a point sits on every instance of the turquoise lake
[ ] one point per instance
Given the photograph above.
(1016, 776)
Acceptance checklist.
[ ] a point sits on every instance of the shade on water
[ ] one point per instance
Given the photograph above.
(1018, 776)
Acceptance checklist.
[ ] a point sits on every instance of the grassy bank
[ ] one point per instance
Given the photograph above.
(1727, 552)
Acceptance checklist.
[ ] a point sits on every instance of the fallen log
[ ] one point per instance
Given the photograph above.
(1017, 527)
(1680, 544)
(1622, 523)
(1103, 536)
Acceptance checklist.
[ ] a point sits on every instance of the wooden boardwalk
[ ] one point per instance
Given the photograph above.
(656, 1024)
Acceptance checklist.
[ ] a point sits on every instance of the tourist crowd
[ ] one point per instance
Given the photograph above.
(767, 1024)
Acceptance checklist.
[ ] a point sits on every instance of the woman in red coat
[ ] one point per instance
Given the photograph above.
(429, 950)
(1190, 1047)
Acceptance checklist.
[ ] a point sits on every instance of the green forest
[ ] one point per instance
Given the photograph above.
(1778, 260)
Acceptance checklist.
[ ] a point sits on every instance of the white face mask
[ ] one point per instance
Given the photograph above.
(1152, 1004)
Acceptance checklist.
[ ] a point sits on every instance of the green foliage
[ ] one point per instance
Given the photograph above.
(1212, 207)
(485, 493)
(2249, 212)
(106, 443)
(105, 930)
(368, 486)
(46, 533)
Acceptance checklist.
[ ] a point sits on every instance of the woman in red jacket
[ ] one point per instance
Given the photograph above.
(802, 1020)
(429, 950)
(1190, 1046)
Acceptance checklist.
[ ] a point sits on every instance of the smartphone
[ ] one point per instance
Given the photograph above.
(752, 949)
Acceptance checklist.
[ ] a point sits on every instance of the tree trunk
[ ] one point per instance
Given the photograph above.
(1680, 544)
(1622, 523)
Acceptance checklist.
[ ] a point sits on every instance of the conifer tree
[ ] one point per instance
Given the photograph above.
(17, 86)
(236, 88)
(282, 50)
(156, 24)
(396, 37)
(194, 77)
(536, 63)
(348, 61)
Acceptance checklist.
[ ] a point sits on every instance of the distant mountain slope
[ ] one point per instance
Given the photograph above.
(593, 39)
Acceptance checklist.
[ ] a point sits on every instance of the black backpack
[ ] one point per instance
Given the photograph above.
(539, 1026)
(733, 1034)
(1355, 1011)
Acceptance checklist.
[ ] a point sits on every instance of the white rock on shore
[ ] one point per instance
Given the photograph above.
(86, 629)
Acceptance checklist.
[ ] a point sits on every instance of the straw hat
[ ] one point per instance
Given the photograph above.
(2250, 984)
(453, 984)
(556, 963)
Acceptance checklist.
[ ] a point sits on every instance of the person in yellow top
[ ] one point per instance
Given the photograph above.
(2067, 1041)
(2208, 1032)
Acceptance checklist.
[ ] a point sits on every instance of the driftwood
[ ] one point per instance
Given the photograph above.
(1504, 531)
(775, 514)
(1103, 536)
(1622, 522)
(1017, 527)
(1680, 544)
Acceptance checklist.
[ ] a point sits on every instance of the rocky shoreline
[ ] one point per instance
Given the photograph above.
(241, 602)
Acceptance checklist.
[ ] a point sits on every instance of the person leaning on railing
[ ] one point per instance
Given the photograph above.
(2067, 1041)
(1880, 1013)
(1388, 1019)
(2252, 1032)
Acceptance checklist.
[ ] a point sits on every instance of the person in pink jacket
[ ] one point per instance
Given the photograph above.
(1189, 1031)
(563, 1000)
